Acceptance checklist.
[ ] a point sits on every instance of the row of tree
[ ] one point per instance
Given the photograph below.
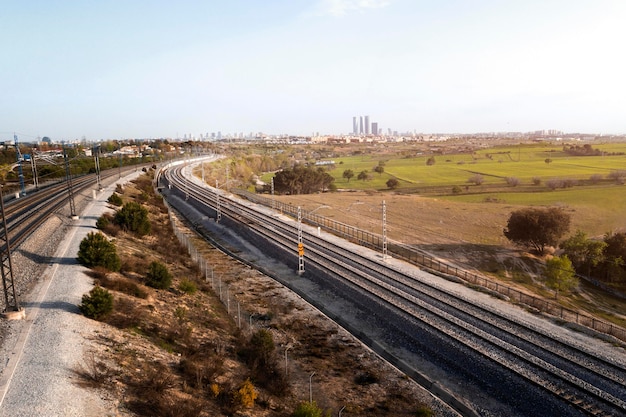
(303, 180)
(538, 228)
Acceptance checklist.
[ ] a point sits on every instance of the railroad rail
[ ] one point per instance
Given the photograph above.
(501, 346)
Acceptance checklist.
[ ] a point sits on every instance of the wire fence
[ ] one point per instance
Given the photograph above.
(245, 320)
(417, 257)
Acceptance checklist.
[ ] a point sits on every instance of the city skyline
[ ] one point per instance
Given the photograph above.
(132, 69)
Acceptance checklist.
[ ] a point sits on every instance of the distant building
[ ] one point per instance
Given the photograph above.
(355, 126)
(374, 128)
(361, 126)
(367, 125)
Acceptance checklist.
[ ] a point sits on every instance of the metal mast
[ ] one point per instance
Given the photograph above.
(19, 166)
(68, 179)
(384, 230)
(10, 296)
(300, 244)
(96, 160)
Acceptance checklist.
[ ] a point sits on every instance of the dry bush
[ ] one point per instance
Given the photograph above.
(124, 285)
(134, 264)
(93, 373)
(126, 315)
(201, 370)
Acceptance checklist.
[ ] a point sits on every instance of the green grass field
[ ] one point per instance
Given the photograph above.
(602, 205)
(494, 165)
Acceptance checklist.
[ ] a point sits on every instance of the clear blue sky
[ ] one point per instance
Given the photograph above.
(163, 68)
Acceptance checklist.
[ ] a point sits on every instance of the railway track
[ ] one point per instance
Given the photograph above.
(582, 380)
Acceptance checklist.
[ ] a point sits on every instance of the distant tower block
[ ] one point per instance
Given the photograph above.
(361, 125)
(355, 126)
(367, 125)
(374, 128)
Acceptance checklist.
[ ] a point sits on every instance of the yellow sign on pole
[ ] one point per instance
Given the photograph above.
(300, 249)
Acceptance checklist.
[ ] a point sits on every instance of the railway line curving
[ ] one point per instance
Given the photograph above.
(506, 355)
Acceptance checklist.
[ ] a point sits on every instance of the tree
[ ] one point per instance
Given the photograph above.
(537, 228)
(379, 169)
(133, 217)
(96, 250)
(476, 179)
(302, 180)
(97, 304)
(512, 181)
(560, 274)
(392, 183)
(158, 276)
(348, 174)
(584, 253)
(430, 161)
(363, 175)
(614, 255)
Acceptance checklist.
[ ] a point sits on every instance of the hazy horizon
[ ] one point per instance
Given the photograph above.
(122, 69)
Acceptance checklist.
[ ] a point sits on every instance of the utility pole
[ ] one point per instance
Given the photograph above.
(218, 216)
(96, 160)
(10, 296)
(19, 166)
(384, 231)
(68, 179)
(273, 200)
(300, 244)
(33, 166)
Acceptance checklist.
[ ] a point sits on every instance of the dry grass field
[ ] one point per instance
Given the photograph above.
(465, 234)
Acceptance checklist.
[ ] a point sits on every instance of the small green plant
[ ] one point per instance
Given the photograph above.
(115, 199)
(96, 250)
(102, 222)
(309, 409)
(187, 286)
(97, 304)
(158, 276)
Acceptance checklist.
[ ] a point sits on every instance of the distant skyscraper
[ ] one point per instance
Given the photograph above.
(367, 125)
(374, 128)
(361, 126)
(355, 126)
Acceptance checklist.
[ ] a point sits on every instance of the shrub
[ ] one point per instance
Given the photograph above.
(97, 304)
(115, 199)
(246, 394)
(96, 250)
(158, 276)
(512, 181)
(476, 179)
(536, 180)
(102, 223)
(187, 286)
(307, 409)
(134, 218)
(456, 190)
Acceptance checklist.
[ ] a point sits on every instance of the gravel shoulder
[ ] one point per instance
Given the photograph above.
(43, 353)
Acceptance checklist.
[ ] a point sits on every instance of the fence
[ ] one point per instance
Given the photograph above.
(221, 288)
(422, 259)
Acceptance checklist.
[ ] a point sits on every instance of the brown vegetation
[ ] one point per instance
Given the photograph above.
(177, 352)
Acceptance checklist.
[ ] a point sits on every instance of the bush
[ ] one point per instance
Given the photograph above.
(102, 222)
(96, 250)
(246, 394)
(115, 199)
(134, 218)
(158, 276)
(188, 287)
(97, 304)
(307, 409)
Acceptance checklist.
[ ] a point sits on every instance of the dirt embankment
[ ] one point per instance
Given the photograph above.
(183, 351)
